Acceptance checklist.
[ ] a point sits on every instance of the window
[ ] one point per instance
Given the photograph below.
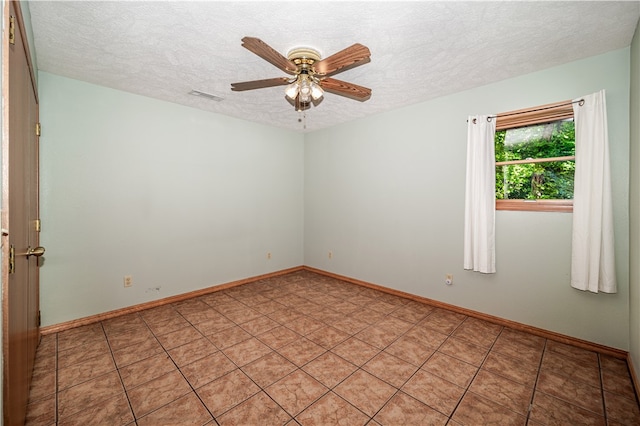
(535, 159)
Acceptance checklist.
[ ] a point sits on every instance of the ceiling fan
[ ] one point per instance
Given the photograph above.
(310, 75)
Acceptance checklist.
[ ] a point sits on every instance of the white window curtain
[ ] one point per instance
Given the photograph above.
(592, 255)
(480, 198)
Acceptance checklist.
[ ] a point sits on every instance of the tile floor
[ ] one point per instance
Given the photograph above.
(311, 350)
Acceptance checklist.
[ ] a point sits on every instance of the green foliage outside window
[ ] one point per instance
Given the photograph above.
(533, 181)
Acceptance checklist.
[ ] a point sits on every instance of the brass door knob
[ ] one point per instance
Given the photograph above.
(38, 251)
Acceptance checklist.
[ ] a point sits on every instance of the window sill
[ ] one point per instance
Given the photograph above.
(564, 206)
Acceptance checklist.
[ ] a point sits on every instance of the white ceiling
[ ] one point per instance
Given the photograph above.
(420, 50)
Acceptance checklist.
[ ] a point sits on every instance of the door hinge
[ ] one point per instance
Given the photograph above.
(38, 225)
(12, 259)
(12, 30)
(39, 319)
(38, 129)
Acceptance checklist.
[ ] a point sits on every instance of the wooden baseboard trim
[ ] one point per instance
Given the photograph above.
(56, 328)
(605, 350)
(634, 377)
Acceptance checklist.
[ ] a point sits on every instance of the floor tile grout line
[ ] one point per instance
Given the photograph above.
(183, 376)
(604, 403)
(535, 383)
(351, 334)
(56, 417)
(486, 355)
(113, 358)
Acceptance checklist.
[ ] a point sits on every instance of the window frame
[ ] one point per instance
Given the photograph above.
(527, 117)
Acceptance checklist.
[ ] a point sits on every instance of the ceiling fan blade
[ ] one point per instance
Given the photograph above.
(269, 54)
(342, 88)
(259, 84)
(345, 59)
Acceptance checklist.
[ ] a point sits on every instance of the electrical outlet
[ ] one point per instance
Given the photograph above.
(128, 280)
(268, 255)
(330, 254)
(448, 279)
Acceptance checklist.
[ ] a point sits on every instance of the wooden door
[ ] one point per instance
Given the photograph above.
(20, 224)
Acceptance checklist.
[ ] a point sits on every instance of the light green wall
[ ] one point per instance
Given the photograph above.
(185, 199)
(634, 258)
(386, 195)
(174, 196)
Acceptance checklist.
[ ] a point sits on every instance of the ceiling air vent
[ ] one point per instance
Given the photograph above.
(206, 95)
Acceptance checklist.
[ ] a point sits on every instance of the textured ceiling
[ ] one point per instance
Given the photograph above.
(420, 50)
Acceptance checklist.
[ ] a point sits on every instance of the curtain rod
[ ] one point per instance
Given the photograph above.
(489, 118)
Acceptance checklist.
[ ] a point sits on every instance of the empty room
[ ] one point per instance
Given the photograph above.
(320, 213)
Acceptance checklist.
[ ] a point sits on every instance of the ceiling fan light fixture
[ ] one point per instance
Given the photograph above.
(292, 90)
(316, 91)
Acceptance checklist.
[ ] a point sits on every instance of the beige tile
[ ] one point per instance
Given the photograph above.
(349, 325)
(518, 349)
(113, 411)
(268, 369)
(451, 369)
(82, 353)
(296, 391)
(92, 392)
(511, 368)
(305, 325)
(278, 337)
(405, 410)
(355, 351)
(301, 351)
(240, 316)
(548, 410)
(378, 337)
(158, 392)
(622, 409)
(257, 410)
(576, 369)
(390, 368)
(364, 391)
(146, 370)
(434, 391)
(207, 369)
(464, 351)
(329, 369)
(214, 325)
(576, 393)
(426, 336)
(186, 410)
(81, 336)
(83, 371)
(479, 332)
(259, 325)
(42, 412)
(179, 337)
(123, 340)
(328, 337)
(614, 365)
(229, 337)
(43, 385)
(268, 307)
(192, 351)
(410, 349)
(331, 410)
(442, 321)
(134, 353)
(617, 383)
(587, 357)
(475, 410)
(515, 396)
(247, 351)
(226, 392)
